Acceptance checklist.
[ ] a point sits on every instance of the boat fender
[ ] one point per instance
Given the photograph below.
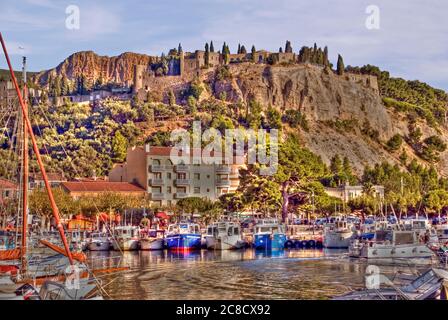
(289, 244)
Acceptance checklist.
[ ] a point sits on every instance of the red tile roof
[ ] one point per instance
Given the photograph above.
(101, 186)
(52, 176)
(6, 184)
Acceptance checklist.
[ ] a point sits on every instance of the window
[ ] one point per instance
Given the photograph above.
(197, 176)
(182, 176)
(156, 162)
(168, 189)
(157, 175)
(208, 176)
(208, 190)
(168, 175)
(197, 190)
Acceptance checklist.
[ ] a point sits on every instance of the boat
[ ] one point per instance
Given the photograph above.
(431, 285)
(99, 241)
(152, 239)
(224, 235)
(269, 234)
(126, 238)
(442, 232)
(390, 244)
(338, 234)
(183, 236)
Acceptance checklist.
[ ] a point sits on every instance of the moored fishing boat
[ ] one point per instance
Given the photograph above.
(99, 241)
(183, 236)
(391, 244)
(126, 238)
(337, 235)
(152, 239)
(224, 235)
(269, 234)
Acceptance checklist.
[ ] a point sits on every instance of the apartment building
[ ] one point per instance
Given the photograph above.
(152, 169)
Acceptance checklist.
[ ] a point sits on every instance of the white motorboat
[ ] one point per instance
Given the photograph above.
(224, 236)
(152, 239)
(99, 241)
(391, 244)
(126, 238)
(337, 235)
(431, 285)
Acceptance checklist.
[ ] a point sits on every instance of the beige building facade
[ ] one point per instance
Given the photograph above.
(167, 182)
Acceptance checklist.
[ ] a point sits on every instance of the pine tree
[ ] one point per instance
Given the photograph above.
(119, 147)
(340, 66)
(212, 48)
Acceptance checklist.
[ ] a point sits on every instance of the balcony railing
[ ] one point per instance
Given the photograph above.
(156, 168)
(223, 169)
(182, 182)
(181, 167)
(223, 183)
(156, 182)
(180, 195)
(157, 196)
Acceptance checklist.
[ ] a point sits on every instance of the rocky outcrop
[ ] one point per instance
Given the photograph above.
(118, 69)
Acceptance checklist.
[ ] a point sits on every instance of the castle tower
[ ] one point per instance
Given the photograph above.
(138, 78)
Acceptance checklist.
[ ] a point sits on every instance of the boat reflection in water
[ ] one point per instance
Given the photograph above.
(236, 274)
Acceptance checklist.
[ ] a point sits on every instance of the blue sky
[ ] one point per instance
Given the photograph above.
(411, 42)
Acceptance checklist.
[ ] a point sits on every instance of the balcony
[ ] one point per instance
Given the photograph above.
(156, 182)
(156, 168)
(157, 196)
(181, 168)
(222, 183)
(223, 169)
(180, 195)
(182, 182)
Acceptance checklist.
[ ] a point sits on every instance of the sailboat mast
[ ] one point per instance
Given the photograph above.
(25, 171)
(38, 156)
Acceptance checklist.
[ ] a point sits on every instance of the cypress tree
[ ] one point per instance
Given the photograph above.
(212, 48)
(179, 50)
(253, 53)
(239, 48)
(224, 48)
(280, 49)
(340, 66)
(207, 55)
(326, 56)
(243, 49)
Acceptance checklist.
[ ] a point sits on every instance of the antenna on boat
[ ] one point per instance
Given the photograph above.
(38, 156)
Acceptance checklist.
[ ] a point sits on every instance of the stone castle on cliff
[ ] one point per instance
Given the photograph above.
(182, 67)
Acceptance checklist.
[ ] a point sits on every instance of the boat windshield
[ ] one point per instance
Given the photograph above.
(404, 238)
(383, 236)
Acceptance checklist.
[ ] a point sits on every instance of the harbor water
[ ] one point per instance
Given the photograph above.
(241, 274)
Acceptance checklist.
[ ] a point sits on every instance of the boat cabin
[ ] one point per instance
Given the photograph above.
(126, 231)
(184, 228)
(395, 237)
(268, 226)
(223, 229)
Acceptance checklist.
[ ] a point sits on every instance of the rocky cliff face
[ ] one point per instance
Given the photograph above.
(118, 69)
(338, 110)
